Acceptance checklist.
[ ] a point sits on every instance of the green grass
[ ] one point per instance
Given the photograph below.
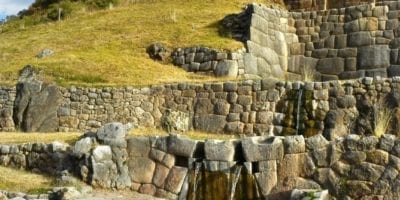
(108, 47)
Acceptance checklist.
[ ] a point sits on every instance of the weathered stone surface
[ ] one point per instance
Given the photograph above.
(210, 123)
(218, 150)
(367, 172)
(373, 57)
(138, 146)
(175, 179)
(316, 142)
(227, 68)
(294, 144)
(333, 66)
(113, 131)
(266, 181)
(36, 104)
(358, 39)
(160, 174)
(83, 146)
(181, 146)
(262, 148)
(141, 169)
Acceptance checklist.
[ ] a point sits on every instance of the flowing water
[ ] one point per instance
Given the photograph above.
(235, 185)
(238, 169)
(195, 181)
(299, 103)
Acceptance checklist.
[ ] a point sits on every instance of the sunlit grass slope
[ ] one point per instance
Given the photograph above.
(108, 47)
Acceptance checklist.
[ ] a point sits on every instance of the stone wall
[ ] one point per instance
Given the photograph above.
(345, 43)
(203, 60)
(349, 167)
(324, 4)
(339, 43)
(260, 107)
(49, 159)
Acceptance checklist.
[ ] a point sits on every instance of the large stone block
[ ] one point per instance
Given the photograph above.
(141, 169)
(218, 150)
(113, 130)
(160, 174)
(266, 181)
(181, 146)
(210, 123)
(228, 68)
(294, 144)
(372, 57)
(175, 179)
(138, 146)
(358, 39)
(331, 66)
(262, 148)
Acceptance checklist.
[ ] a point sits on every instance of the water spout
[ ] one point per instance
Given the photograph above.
(197, 168)
(299, 102)
(238, 170)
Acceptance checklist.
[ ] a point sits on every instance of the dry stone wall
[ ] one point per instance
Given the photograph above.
(252, 107)
(349, 167)
(339, 43)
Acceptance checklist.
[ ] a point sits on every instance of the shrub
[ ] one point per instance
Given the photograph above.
(101, 4)
(66, 7)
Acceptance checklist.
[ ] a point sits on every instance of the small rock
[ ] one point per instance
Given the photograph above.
(157, 51)
(45, 53)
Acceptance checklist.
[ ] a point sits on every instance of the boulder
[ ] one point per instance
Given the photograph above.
(36, 103)
(82, 146)
(157, 51)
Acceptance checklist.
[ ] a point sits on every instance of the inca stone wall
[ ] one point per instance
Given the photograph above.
(339, 43)
(260, 107)
(324, 4)
(349, 167)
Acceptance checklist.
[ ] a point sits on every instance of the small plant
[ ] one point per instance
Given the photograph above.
(382, 118)
(308, 73)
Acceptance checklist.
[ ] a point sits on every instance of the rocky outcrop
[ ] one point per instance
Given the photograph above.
(36, 103)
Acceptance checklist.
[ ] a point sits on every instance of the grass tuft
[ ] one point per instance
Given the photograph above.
(382, 117)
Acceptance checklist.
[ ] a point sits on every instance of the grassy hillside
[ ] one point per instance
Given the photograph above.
(108, 47)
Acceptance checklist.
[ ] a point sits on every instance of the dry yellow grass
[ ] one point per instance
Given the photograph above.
(22, 181)
(108, 47)
(382, 117)
(19, 138)
(196, 135)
